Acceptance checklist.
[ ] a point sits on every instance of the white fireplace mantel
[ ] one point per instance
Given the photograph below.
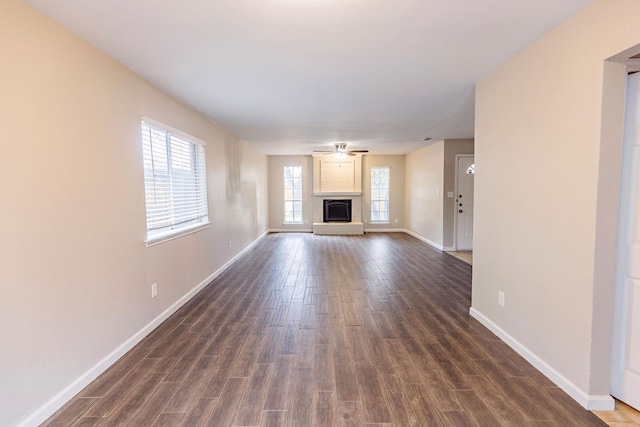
(337, 194)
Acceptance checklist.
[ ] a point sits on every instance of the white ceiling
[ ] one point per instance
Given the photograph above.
(290, 76)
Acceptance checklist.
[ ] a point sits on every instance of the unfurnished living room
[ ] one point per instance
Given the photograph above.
(319, 212)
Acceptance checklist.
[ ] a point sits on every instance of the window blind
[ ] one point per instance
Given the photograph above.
(174, 181)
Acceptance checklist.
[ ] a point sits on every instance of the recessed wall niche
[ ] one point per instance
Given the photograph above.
(337, 176)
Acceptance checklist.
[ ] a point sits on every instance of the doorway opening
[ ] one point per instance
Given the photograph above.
(625, 352)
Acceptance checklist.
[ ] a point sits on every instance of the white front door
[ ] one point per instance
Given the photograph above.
(625, 373)
(464, 203)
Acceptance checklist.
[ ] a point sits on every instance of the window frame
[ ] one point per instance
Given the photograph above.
(197, 161)
(375, 200)
(293, 200)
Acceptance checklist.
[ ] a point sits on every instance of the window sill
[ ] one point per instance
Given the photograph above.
(166, 236)
(380, 223)
(293, 223)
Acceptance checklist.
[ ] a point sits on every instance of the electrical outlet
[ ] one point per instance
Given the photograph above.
(229, 243)
(501, 298)
(396, 220)
(154, 290)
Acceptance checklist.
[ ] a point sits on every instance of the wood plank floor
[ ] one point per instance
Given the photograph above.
(622, 416)
(309, 330)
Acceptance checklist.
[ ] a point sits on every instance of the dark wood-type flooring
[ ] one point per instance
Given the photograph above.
(309, 330)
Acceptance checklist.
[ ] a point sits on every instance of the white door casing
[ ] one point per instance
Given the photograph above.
(464, 202)
(625, 361)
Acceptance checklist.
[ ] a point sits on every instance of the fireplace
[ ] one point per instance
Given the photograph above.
(336, 210)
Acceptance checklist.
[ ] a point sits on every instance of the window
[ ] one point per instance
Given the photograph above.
(380, 194)
(293, 194)
(174, 182)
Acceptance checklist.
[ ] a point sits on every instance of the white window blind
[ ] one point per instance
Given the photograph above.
(293, 194)
(174, 180)
(380, 194)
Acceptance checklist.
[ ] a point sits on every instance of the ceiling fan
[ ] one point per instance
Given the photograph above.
(341, 151)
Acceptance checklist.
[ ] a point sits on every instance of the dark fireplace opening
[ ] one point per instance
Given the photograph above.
(336, 211)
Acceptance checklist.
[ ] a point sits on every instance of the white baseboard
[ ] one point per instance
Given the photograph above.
(289, 230)
(384, 230)
(449, 249)
(424, 239)
(49, 408)
(591, 402)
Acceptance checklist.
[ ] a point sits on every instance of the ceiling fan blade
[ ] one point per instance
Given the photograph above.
(341, 148)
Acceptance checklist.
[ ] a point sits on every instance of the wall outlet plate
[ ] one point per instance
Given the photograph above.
(154, 290)
(501, 298)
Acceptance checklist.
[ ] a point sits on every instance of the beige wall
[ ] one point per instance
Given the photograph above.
(430, 174)
(276, 192)
(396, 191)
(75, 273)
(452, 147)
(424, 183)
(546, 191)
